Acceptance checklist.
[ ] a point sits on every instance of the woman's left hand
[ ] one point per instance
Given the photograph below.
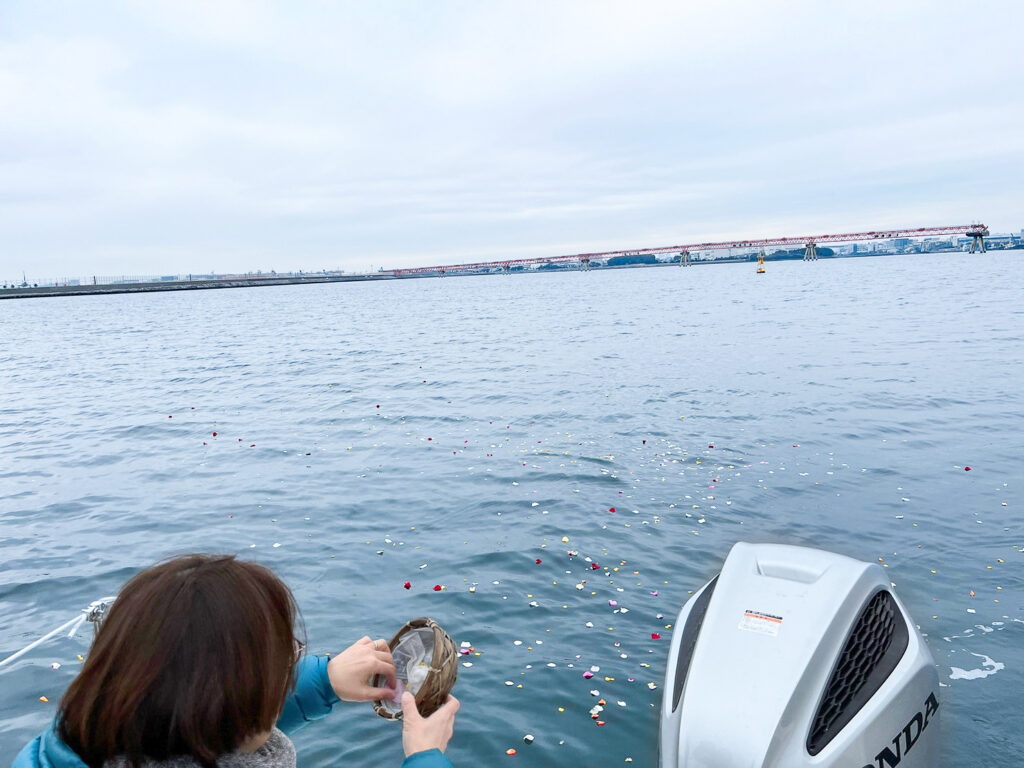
(351, 671)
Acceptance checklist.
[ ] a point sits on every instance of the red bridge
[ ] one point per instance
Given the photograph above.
(977, 232)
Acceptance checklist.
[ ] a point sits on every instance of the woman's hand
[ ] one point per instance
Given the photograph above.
(351, 670)
(420, 734)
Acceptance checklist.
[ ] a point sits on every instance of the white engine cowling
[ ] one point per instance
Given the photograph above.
(798, 657)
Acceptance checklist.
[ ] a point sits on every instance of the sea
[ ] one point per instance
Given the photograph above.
(465, 434)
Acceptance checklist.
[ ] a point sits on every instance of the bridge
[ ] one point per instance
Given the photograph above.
(83, 286)
(977, 233)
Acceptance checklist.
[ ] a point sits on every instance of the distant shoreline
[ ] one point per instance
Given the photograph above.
(255, 281)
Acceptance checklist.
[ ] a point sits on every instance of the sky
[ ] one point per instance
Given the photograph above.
(187, 136)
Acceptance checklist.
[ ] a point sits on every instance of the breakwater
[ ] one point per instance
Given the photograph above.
(37, 291)
(254, 281)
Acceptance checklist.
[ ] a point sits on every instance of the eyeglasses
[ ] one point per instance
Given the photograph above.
(300, 648)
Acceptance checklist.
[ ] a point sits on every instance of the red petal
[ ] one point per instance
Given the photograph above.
(655, 636)
(407, 585)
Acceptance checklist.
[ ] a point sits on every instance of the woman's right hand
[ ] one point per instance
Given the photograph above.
(352, 670)
(420, 734)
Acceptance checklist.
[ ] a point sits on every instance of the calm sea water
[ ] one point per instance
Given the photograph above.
(450, 432)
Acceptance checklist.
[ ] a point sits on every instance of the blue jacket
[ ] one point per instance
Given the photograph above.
(313, 700)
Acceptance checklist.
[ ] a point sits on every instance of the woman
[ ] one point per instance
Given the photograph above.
(197, 664)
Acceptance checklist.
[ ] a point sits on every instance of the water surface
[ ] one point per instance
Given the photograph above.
(450, 432)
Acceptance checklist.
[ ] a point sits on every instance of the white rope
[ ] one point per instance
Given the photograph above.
(94, 613)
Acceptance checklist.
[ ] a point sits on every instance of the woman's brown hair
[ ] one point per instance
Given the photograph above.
(196, 655)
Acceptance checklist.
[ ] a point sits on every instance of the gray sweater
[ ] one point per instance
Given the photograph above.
(277, 752)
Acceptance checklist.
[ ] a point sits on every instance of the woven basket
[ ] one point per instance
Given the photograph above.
(444, 669)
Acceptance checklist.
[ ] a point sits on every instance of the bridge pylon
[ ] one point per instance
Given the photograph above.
(585, 264)
(978, 240)
(811, 252)
(684, 258)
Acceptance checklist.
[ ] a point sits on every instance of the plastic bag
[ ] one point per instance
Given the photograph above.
(413, 655)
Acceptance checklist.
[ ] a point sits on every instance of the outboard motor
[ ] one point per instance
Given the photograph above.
(797, 657)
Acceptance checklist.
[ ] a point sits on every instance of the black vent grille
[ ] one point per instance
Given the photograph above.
(691, 630)
(873, 649)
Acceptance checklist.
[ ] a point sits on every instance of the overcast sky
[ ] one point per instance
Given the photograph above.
(173, 136)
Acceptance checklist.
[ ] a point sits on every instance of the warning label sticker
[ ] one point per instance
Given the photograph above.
(760, 622)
